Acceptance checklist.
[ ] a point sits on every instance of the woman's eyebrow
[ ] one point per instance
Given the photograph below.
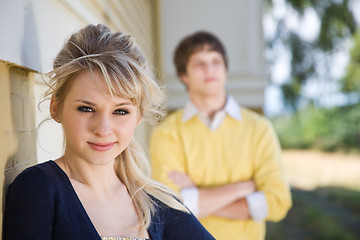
(85, 102)
(128, 102)
(124, 103)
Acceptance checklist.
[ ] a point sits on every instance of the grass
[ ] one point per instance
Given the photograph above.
(324, 213)
(320, 210)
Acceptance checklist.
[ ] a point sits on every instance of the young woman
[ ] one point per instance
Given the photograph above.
(100, 90)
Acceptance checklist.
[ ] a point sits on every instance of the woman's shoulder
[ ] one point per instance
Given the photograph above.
(175, 224)
(30, 196)
(36, 171)
(37, 176)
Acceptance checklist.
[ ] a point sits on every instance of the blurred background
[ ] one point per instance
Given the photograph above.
(296, 62)
(313, 49)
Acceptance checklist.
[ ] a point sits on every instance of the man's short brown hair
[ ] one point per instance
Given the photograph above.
(193, 43)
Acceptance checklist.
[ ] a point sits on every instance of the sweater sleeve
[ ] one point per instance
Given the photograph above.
(29, 207)
(269, 174)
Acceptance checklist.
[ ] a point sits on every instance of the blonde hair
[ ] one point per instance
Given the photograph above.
(124, 68)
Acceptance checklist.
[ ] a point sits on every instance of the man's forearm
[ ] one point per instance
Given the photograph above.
(211, 200)
(236, 210)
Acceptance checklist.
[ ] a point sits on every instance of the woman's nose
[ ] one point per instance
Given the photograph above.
(102, 126)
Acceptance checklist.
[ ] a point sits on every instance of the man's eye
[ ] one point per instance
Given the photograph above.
(217, 62)
(85, 109)
(121, 112)
(199, 64)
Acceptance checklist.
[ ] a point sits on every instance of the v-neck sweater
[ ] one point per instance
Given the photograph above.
(42, 204)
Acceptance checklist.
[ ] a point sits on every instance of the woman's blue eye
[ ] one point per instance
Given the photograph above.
(121, 111)
(85, 109)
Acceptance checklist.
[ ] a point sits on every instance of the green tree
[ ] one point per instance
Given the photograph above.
(312, 59)
(351, 80)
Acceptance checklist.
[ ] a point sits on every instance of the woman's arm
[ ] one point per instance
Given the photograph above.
(178, 225)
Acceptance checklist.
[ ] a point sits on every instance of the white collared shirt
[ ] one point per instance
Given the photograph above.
(231, 108)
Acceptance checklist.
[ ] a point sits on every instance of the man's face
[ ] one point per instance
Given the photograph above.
(205, 73)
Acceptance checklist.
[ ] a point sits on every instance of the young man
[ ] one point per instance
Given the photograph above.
(223, 158)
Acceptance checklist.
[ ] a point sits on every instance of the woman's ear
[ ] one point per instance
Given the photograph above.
(54, 109)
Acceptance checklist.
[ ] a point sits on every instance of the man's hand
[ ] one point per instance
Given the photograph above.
(181, 179)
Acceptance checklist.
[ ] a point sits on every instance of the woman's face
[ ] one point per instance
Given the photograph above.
(97, 126)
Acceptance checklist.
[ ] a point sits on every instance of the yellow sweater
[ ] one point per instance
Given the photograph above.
(236, 151)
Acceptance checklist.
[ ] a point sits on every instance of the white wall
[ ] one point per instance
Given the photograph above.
(32, 33)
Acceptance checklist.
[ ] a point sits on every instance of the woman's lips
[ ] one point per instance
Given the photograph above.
(101, 147)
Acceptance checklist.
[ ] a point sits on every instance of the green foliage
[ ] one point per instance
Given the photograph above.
(351, 80)
(337, 23)
(325, 129)
(309, 58)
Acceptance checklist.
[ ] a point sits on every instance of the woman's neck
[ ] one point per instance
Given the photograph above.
(100, 178)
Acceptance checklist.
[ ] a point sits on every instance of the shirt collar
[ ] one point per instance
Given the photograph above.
(231, 108)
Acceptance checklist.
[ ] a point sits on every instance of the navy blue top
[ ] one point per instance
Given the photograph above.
(41, 204)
